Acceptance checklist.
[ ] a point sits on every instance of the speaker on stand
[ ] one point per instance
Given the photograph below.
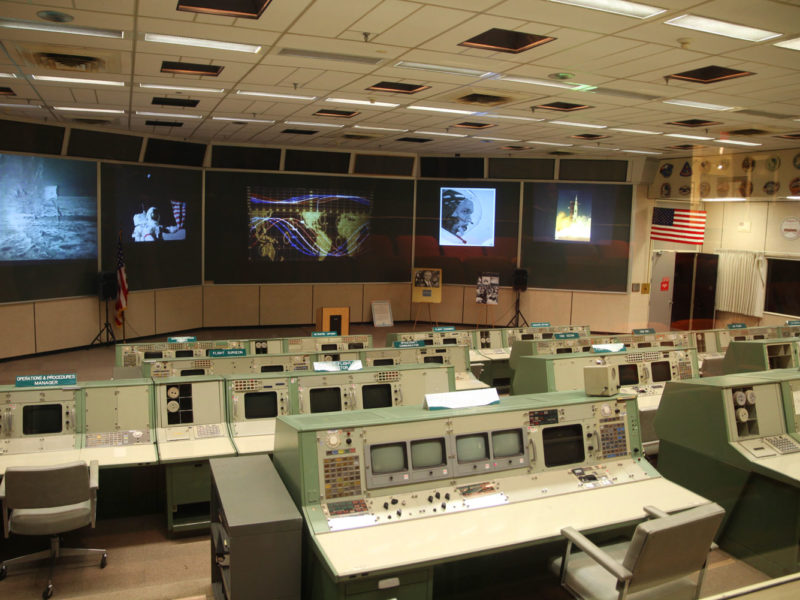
(106, 290)
(519, 284)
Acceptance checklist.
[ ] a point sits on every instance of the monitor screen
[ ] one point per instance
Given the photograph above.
(260, 405)
(271, 368)
(527, 336)
(573, 216)
(758, 337)
(449, 341)
(507, 443)
(192, 372)
(426, 454)
(154, 354)
(378, 395)
(661, 371)
(563, 350)
(472, 447)
(325, 400)
(644, 345)
(355, 345)
(563, 445)
(388, 458)
(184, 353)
(628, 374)
(429, 342)
(382, 362)
(39, 419)
(326, 347)
(667, 343)
(433, 359)
(466, 216)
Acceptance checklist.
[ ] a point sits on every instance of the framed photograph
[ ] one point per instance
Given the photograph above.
(487, 288)
(427, 285)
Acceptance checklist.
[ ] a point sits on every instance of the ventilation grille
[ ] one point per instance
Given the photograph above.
(387, 376)
(245, 385)
(202, 363)
(351, 58)
(484, 99)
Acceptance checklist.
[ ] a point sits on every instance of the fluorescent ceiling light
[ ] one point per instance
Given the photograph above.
(180, 88)
(200, 43)
(687, 137)
(404, 64)
(143, 113)
(642, 131)
(739, 32)
(703, 105)
(511, 118)
(458, 135)
(641, 152)
(241, 119)
(494, 139)
(443, 110)
(61, 28)
(8, 75)
(618, 7)
(110, 111)
(12, 105)
(547, 143)
(272, 95)
(793, 44)
(573, 124)
(793, 197)
(312, 124)
(738, 143)
(575, 87)
(598, 147)
(55, 79)
(723, 199)
(363, 102)
(379, 128)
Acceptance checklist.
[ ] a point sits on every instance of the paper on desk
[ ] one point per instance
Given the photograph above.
(463, 399)
(619, 347)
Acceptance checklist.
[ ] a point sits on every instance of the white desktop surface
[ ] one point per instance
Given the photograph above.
(492, 353)
(39, 459)
(119, 456)
(254, 444)
(421, 541)
(468, 381)
(195, 449)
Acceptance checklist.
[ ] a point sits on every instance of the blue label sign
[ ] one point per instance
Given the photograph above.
(793, 322)
(737, 325)
(644, 331)
(569, 335)
(409, 344)
(541, 324)
(324, 333)
(46, 380)
(227, 352)
(182, 339)
(445, 328)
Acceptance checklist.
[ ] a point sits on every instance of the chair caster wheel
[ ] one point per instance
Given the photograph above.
(3, 572)
(104, 560)
(48, 592)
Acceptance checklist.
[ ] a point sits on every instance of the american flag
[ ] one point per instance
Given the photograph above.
(179, 212)
(678, 225)
(122, 284)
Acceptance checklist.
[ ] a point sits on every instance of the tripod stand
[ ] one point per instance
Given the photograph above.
(105, 329)
(515, 320)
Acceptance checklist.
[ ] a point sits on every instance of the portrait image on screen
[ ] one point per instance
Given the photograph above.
(260, 405)
(39, 419)
(48, 227)
(376, 395)
(325, 400)
(661, 371)
(466, 216)
(472, 447)
(573, 216)
(427, 454)
(388, 458)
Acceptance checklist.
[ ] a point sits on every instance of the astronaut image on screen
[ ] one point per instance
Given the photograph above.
(466, 217)
(573, 217)
(148, 226)
(290, 225)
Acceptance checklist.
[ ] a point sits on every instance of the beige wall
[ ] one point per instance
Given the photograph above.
(66, 323)
(17, 336)
(230, 305)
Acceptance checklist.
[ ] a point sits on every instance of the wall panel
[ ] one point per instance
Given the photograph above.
(288, 304)
(346, 294)
(488, 315)
(66, 323)
(230, 305)
(140, 316)
(451, 310)
(604, 312)
(178, 309)
(17, 333)
(398, 294)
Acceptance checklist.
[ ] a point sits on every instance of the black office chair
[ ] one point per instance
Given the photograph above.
(49, 501)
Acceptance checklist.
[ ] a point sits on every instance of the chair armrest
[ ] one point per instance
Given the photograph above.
(3, 489)
(654, 512)
(596, 553)
(94, 475)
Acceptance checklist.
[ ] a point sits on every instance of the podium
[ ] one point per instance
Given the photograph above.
(334, 318)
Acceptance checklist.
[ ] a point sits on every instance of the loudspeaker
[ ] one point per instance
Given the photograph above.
(520, 281)
(107, 285)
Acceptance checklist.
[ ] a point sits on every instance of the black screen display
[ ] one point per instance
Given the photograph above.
(628, 374)
(325, 400)
(378, 395)
(661, 371)
(260, 405)
(39, 419)
(563, 445)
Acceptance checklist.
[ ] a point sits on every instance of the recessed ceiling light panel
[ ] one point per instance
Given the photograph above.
(701, 105)
(716, 27)
(618, 7)
(54, 79)
(442, 110)
(793, 44)
(181, 88)
(57, 28)
(143, 113)
(109, 111)
(274, 95)
(404, 64)
(573, 124)
(201, 43)
(362, 102)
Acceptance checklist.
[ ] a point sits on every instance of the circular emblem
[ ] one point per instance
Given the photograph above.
(723, 165)
(705, 166)
(773, 163)
(666, 190)
(790, 228)
(772, 187)
(748, 163)
(684, 190)
(705, 189)
(666, 169)
(723, 187)
(794, 186)
(745, 188)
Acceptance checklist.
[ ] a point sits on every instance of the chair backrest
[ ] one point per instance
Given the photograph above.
(47, 487)
(671, 547)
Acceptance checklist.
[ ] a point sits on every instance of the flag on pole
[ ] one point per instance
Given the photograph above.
(122, 284)
(678, 225)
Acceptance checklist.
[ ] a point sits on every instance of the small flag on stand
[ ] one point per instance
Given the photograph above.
(678, 225)
(122, 285)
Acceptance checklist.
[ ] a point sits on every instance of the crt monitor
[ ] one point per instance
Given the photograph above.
(383, 362)
(427, 454)
(325, 400)
(40, 419)
(388, 458)
(629, 374)
(660, 371)
(507, 443)
(472, 447)
(378, 395)
(260, 405)
(563, 445)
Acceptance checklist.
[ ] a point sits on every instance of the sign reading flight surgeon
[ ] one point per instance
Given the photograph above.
(216, 353)
(46, 380)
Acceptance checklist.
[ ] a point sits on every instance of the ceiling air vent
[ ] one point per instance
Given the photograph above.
(561, 153)
(249, 9)
(89, 121)
(562, 106)
(710, 74)
(316, 54)
(69, 62)
(483, 99)
(473, 125)
(358, 136)
(6, 91)
(184, 68)
(300, 131)
(330, 112)
(694, 123)
(748, 132)
(685, 147)
(789, 136)
(515, 148)
(763, 113)
(414, 140)
(176, 102)
(505, 40)
(158, 123)
(73, 59)
(397, 87)
(589, 136)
